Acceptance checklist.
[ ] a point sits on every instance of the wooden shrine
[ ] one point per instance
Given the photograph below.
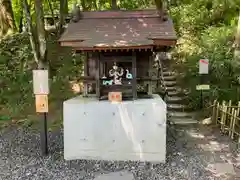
(118, 48)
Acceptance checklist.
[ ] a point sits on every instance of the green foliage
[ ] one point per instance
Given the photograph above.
(17, 63)
(17, 11)
(206, 30)
(197, 15)
(15, 58)
(134, 4)
(205, 27)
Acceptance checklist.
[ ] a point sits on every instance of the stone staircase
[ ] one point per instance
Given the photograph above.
(179, 111)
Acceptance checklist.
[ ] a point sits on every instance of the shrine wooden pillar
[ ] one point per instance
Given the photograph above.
(134, 73)
(97, 59)
(150, 74)
(85, 84)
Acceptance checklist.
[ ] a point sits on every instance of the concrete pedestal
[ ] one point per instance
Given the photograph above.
(101, 130)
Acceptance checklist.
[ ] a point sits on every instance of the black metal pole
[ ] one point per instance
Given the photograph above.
(201, 91)
(44, 143)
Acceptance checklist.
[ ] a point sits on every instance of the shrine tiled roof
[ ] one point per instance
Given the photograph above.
(119, 29)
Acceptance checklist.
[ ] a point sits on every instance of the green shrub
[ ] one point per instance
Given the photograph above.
(206, 30)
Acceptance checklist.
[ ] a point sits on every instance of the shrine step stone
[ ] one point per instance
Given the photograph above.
(179, 111)
(168, 73)
(173, 88)
(178, 107)
(175, 99)
(170, 83)
(169, 78)
(174, 93)
(181, 114)
(183, 121)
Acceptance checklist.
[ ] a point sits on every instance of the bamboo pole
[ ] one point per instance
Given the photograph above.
(238, 114)
(214, 111)
(221, 108)
(217, 112)
(238, 109)
(228, 118)
(223, 103)
(223, 117)
(234, 123)
(231, 122)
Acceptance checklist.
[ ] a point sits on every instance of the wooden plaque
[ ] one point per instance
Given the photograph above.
(115, 96)
(203, 87)
(41, 103)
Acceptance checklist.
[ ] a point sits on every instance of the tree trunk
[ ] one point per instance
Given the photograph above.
(160, 6)
(20, 25)
(42, 64)
(237, 42)
(51, 9)
(62, 16)
(236, 63)
(95, 4)
(83, 4)
(114, 4)
(30, 31)
(63, 13)
(65, 8)
(6, 17)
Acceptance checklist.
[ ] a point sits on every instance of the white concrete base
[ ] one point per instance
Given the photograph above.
(100, 130)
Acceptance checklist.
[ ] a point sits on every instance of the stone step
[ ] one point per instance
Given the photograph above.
(183, 121)
(168, 73)
(175, 99)
(170, 83)
(173, 88)
(170, 89)
(175, 93)
(169, 78)
(174, 114)
(178, 107)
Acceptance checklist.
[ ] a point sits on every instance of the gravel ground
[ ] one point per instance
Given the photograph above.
(191, 154)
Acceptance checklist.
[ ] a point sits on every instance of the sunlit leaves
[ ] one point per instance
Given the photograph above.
(207, 29)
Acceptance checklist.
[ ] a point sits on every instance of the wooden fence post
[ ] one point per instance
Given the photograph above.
(223, 117)
(221, 108)
(214, 111)
(238, 109)
(234, 123)
(217, 113)
(228, 115)
(229, 118)
(231, 124)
